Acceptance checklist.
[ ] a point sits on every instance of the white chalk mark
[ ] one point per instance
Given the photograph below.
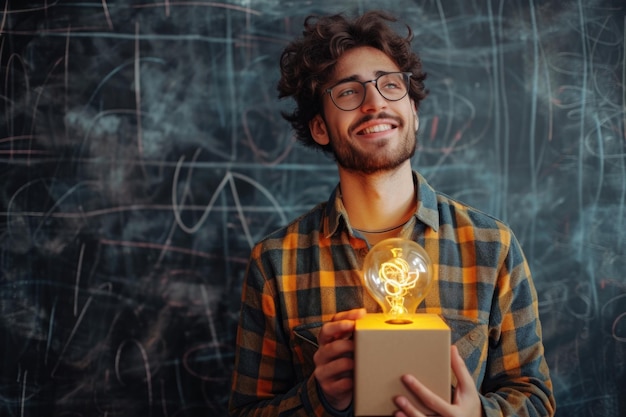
(214, 336)
(176, 205)
(4, 16)
(186, 191)
(583, 100)
(23, 400)
(69, 340)
(50, 327)
(228, 179)
(48, 213)
(78, 273)
(40, 94)
(138, 90)
(179, 384)
(615, 326)
(236, 8)
(500, 102)
(146, 366)
(107, 15)
(242, 216)
(110, 75)
(66, 75)
(621, 215)
(533, 120)
(614, 303)
(163, 401)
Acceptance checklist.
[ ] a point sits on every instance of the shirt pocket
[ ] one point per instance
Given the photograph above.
(304, 346)
(471, 339)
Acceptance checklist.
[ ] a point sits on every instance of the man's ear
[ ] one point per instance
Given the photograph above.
(318, 129)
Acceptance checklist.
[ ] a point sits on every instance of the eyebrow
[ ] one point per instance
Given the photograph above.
(356, 78)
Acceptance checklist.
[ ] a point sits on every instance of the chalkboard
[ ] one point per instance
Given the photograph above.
(143, 154)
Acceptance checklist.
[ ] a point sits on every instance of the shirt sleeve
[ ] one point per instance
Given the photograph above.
(265, 382)
(517, 381)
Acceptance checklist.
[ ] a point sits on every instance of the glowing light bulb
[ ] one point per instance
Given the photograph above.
(398, 274)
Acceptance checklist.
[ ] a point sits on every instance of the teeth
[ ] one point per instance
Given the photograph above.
(376, 129)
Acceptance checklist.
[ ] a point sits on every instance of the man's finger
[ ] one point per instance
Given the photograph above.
(340, 327)
(460, 371)
(354, 314)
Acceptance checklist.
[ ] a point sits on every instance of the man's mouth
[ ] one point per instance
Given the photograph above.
(375, 129)
(382, 123)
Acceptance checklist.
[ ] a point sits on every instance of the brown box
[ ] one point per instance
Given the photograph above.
(384, 352)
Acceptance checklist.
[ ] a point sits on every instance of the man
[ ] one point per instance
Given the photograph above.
(358, 87)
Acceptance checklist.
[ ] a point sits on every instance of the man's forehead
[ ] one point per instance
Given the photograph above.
(363, 63)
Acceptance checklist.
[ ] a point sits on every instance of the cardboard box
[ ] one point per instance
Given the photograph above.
(384, 352)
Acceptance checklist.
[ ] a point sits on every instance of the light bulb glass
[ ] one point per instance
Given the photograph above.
(398, 274)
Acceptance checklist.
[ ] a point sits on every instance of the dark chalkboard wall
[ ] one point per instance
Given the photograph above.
(143, 154)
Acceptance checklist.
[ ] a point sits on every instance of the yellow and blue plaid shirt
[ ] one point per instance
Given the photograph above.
(304, 273)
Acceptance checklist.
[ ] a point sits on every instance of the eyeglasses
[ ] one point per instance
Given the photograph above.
(349, 95)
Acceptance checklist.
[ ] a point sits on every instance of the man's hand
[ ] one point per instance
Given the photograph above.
(465, 402)
(334, 362)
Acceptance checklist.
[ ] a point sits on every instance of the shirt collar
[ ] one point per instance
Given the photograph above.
(427, 213)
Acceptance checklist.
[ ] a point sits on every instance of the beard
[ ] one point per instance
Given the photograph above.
(384, 158)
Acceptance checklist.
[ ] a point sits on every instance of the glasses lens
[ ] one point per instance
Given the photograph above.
(392, 86)
(348, 95)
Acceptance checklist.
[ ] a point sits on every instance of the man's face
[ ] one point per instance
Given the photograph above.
(377, 136)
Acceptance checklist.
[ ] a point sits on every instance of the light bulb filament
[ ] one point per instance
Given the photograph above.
(398, 280)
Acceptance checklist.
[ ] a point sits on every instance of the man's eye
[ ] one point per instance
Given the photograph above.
(391, 86)
(346, 92)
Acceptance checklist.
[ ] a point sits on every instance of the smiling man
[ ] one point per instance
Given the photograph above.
(358, 86)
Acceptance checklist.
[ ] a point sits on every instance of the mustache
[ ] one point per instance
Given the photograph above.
(370, 117)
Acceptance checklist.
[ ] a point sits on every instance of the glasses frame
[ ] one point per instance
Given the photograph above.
(406, 78)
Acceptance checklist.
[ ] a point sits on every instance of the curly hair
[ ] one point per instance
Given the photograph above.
(307, 63)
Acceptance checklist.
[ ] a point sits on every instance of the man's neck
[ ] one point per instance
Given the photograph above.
(379, 201)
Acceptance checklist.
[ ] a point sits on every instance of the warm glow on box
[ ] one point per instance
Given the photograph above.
(384, 352)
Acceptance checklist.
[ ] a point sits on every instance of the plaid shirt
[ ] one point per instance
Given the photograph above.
(301, 275)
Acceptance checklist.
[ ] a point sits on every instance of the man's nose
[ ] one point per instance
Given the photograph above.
(373, 99)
